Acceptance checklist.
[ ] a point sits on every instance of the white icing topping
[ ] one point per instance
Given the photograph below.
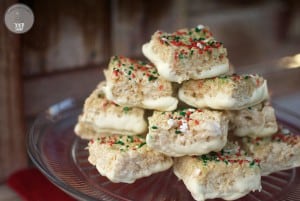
(164, 39)
(172, 123)
(184, 127)
(163, 103)
(212, 127)
(168, 103)
(199, 45)
(129, 123)
(225, 101)
(285, 131)
(178, 149)
(200, 26)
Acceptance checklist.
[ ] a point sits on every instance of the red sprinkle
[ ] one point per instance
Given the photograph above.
(200, 84)
(116, 73)
(143, 68)
(257, 82)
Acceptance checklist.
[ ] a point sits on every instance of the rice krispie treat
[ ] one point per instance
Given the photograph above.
(256, 121)
(278, 152)
(103, 116)
(126, 158)
(228, 174)
(187, 132)
(228, 92)
(187, 54)
(134, 83)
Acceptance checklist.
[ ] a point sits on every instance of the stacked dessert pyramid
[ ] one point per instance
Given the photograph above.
(185, 109)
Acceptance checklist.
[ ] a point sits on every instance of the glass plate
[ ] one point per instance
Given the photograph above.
(62, 157)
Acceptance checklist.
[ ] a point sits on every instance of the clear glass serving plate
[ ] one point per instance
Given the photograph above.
(62, 157)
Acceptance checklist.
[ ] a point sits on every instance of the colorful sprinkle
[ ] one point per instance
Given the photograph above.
(130, 68)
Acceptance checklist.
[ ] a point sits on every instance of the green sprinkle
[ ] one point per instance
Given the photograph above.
(151, 77)
(204, 157)
(181, 56)
(223, 77)
(154, 127)
(252, 164)
(126, 109)
(142, 144)
(182, 113)
(197, 29)
(176, 38)
(119, 142)
(192, 52)
(129, 138)
(211, 42)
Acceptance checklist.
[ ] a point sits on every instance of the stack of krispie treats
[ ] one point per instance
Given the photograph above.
(187, 110)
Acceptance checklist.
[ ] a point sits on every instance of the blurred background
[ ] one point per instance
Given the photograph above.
(71, 41)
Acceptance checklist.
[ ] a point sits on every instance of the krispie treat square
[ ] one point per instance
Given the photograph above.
(256, 121)
(187, 132)
(104, 116)
(187, 54)
(134, 83)
(228, 174)
(126, 158)
(278, 152)
(227, 92)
